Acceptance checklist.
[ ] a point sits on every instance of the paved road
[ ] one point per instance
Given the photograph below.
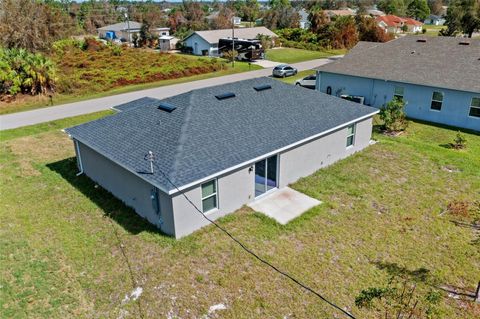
(20, 119)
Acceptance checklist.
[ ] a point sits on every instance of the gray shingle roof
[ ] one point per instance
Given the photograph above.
(205, 136)
(212, 36)
(121, 26)
(438, 62)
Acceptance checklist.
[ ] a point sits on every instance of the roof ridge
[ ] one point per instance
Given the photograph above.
(183, 136)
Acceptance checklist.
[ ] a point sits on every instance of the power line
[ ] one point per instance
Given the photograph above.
(248, 250)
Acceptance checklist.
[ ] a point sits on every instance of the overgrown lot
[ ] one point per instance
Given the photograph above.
(90, 69)
(69, 249)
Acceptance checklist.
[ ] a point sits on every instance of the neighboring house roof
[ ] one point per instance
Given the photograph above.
(375, 12)
(394, 21)
(406, 60)
(121, 26)
(124, 26)
(342, 12)
(212, 36)
(205, 136)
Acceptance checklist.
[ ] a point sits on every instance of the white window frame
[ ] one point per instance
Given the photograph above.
(473, 107)
(211, 195)
(441, 105)
(354, 125)
(398, 95)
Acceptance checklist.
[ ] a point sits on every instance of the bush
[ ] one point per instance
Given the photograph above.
(460, 141)
(230, 55)
(22, 71)
(393, 115)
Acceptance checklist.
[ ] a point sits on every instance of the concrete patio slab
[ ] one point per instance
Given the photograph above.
(284, 204)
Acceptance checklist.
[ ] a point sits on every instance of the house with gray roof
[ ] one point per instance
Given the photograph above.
(437, 77)
(222, 146)
(206, 42)
(125, 31)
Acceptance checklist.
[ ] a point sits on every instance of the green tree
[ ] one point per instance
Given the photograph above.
(392, 6)
(318, 21)
(462, 16)
(418, 9)
(393, 115)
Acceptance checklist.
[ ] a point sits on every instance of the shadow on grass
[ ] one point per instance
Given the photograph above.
(393, 269)
(112, 207)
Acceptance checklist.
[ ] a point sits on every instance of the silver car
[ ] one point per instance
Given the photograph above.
(284, 70)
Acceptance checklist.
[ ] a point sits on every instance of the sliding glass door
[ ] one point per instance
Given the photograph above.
(265, 175)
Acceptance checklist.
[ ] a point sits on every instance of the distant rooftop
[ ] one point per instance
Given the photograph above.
(444, 62)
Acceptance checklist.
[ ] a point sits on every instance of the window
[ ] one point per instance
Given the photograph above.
(209, 196)
(398, 92)
(350, 135)
(475, 107)
(437, 100)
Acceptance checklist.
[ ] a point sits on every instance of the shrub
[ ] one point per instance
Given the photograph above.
(230, 55)
(460, 141)
(393, 115)
(22, 71)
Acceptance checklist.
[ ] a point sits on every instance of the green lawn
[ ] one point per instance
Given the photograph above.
(432, 30)
(300, 75)
(291, 55)
(67, 246)
(43, 101)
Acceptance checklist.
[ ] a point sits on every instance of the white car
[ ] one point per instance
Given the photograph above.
(307, 82)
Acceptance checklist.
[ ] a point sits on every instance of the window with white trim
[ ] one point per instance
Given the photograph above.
(398, 92)
(209, 196)
(350, 135)
(437, 101)
(475, 107)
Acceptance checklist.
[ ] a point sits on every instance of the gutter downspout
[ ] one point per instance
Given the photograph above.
(79, 157)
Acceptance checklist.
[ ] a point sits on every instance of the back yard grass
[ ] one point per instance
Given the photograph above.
(291, 55)
(69, 249)
(87, 74)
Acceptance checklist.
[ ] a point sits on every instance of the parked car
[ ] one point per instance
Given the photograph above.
(284, 70)
(308, 81)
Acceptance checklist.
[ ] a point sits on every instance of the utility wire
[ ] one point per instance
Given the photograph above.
(248, 250)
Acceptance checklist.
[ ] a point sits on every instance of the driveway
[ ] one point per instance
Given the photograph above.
(14, 120)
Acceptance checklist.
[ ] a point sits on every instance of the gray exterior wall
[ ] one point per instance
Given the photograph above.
(455, 108)
(126, 186)
(234, 189)
(305, 159)
(237, 188)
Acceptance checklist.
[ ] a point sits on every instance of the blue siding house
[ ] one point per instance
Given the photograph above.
(438, 78)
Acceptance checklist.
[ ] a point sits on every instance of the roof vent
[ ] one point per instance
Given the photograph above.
(225, 95)
(422, 40)
(262, 87)
(166, 106)
(464, 43)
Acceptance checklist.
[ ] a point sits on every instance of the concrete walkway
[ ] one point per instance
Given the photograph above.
(284, 204)
(14, 120)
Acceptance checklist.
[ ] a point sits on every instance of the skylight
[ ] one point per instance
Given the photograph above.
(262, 87)
(225, 95)
(166, 106)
